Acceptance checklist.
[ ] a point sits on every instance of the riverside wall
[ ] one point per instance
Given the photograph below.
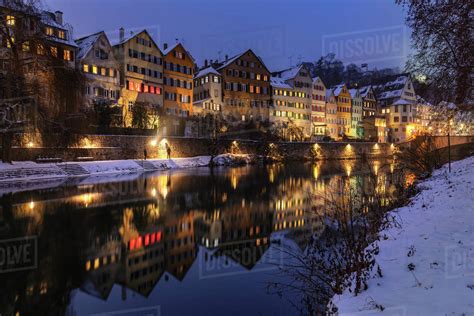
(112, 147)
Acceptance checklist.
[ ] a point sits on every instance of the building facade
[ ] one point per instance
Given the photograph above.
(318, 108)
(207, 91)
(291, 97)
(332, 125)
(397, 102)
(178, 70)
(246, 90)
(375, 128)
(356, 130)
(369, 105)
(96, 59)
(141, 66)
(343, 100)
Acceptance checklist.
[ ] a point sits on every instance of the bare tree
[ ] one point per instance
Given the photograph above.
(442, 39)
(31, 68)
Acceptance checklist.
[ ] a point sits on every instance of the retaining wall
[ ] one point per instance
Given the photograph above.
(111, 147)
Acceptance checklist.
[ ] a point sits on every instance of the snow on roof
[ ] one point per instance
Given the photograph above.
(364, 90)
(353, 93)
(206, 71)
(279, 83)
(85, 44)
(289, 73)
(338, 89)
(329, 93)
(230, 61)
(169, 48)
(49, 18)
(126, 38)
(402, 102)
(390, 94)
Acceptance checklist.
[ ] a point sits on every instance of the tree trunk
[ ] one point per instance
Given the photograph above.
(7, 146)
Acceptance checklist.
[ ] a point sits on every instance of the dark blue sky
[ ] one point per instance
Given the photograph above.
(280, 31)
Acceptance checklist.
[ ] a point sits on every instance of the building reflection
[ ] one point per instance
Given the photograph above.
(136, 233)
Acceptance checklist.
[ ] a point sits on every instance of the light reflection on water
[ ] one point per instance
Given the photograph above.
(173, 243)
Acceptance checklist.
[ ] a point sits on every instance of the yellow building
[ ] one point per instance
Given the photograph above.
(343, 101)
(141, 64)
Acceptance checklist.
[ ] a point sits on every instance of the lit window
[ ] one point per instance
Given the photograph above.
(94, 70)
(40, 49)
(61, 34)
(103, 71)
(26, 46)
(54, 51)
(10, 20)
(85, 68)
(67, 55)
(49, 31)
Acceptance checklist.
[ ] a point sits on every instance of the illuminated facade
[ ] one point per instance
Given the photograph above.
(397, 102)
(96, 59)
(207, 91)
(331, 115)
(318, 108)
(178, 70)
(246, 88)
(291, 97)
(369, 106)
(356, 130)
(343, 101)
(141, 66)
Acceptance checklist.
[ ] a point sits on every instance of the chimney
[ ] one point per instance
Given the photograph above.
(165, 46)
(122, 34)
(58, 17)
(226, 57)
(205, 63)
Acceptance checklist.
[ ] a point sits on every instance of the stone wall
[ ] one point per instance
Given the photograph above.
(111, 147)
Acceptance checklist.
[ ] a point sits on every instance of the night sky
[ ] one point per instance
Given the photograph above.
(275, 29)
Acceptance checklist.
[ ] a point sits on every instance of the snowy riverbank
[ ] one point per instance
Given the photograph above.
(428, 263)
(24, 171)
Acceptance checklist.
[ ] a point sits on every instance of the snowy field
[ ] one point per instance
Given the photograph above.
(428, 263)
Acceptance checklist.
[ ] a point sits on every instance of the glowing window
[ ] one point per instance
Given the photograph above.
(85, 67)
(10, 20)
(94, 70)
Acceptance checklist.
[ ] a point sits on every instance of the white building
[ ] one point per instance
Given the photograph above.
(356, 130)
(207, 91)
(397, 102)
(291, 98)
(96, 59)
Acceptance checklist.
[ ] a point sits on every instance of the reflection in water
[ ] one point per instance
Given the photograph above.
(138, 233)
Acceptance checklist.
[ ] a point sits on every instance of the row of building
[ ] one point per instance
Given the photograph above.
(133, 70)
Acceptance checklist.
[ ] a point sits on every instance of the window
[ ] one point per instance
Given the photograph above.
(10, 20)
(26, 46)
(49, 31)
(94, 70)
(67, 55)
(61, 34)
(54, 51)
(103, 71)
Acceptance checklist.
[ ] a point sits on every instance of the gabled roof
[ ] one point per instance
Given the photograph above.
(365, 90)
(329, 93)
(132, 36)
(223, 64)
(48, 18)
(169, 49)
(86, 43)
(289, 73)
(279, 83)
(338, 89)
(354, 93)
(317, 78)
(206, 71)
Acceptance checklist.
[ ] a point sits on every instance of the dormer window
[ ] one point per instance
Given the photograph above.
(61, 34)
(49, 31)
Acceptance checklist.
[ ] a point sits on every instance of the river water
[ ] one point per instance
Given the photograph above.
(183, 242)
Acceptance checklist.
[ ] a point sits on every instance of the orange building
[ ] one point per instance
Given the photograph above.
(178, 80)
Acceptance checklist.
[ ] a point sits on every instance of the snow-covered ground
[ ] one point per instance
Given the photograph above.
(26, 171)
(428, 263)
